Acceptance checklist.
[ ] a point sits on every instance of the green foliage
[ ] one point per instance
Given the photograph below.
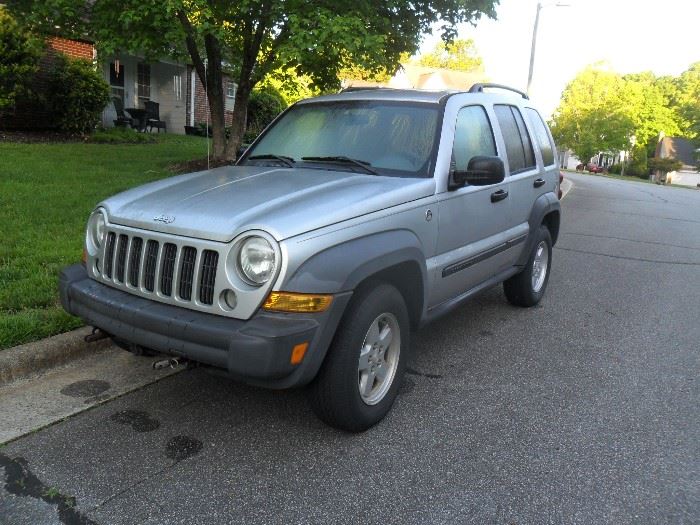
(78, 95)
(615, 169)
(264, 105)
(460, 55)
(664, 165)
(290, 85)
(19, 60)
(120, 135)
(256, 37)
(601, 111)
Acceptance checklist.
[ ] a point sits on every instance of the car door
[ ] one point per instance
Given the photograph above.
(525, 175)
(472, 219)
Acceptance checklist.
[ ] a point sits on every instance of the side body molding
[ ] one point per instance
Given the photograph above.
(545, 204)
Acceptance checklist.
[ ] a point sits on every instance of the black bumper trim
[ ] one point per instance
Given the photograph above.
(256, 351)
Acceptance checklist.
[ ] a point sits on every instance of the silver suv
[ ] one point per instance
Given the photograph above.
(352, 220)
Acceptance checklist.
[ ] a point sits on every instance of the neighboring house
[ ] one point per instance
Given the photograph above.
(684, 151)
(174, 86)
(428, 78)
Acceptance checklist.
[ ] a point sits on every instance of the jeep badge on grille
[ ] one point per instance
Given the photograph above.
(167, 219)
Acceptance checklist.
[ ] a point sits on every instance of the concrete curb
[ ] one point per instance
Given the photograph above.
(566, 186)
(28, 359)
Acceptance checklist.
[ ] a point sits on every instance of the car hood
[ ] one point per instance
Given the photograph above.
(219, 204)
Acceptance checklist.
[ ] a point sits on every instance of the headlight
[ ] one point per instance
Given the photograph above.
(96, 228)
(256, 260)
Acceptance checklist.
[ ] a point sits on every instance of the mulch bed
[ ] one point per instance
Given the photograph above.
(197, 165)
(39, 137)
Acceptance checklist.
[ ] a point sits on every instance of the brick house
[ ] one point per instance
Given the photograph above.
(174, 85)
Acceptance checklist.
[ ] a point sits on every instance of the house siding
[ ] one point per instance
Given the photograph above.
(200, 101)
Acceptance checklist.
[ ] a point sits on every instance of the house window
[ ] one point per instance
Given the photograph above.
(230, 89)
(116, 80)
(143, 83)
(177, 86)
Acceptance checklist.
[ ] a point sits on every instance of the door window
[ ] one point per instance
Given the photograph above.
(544, 141)
(143, 83)
(521, 156)
(473, 137)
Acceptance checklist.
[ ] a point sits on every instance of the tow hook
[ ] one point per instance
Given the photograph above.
(96, 335)
(173, 363)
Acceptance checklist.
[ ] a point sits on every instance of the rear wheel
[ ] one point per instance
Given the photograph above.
(359, 379)
(527, 287)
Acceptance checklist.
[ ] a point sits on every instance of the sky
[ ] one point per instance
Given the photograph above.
(628, 35)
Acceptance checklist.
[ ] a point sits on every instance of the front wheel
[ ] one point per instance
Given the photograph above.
(527, 287)
(359, 379)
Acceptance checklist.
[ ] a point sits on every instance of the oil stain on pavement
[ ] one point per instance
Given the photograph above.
(87, 388)
(180, 448)
(138, 420)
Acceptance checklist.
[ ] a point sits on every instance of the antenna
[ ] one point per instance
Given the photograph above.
(206, 98)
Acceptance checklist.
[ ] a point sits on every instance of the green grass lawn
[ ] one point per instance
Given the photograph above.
(47, 192)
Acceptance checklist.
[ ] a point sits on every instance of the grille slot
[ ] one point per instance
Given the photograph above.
(135, 260)
(121, 257)
(207, 280)
(166, 273)
(109, 254)
(189, 255)
(149, 267)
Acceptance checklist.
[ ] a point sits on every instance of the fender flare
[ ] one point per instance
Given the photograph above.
(545, 204)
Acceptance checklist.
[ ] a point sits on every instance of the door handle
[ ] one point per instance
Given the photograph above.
(499, 195)
(538, 183)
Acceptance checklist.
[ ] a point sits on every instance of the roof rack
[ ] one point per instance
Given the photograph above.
(479, 88)
(361, 88)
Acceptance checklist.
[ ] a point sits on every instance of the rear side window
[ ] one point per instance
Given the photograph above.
(518, 144)
(544, 141)
(473, 136)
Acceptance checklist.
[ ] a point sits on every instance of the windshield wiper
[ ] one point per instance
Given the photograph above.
(345, 160)
(287, 161)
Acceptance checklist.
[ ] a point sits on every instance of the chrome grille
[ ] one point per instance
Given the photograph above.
(210, 260)
(149, 271)
(167, 272)
(189, 255)
(170, 271)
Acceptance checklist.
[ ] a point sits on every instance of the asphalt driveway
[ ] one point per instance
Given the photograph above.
(584, 409)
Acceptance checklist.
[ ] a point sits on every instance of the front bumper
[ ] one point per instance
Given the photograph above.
(256, 351)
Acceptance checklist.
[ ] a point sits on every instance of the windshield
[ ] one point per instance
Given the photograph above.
(390, 138)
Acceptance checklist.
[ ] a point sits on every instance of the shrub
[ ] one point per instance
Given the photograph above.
(264, 105)
(638, 168)
(19, 60)
(78, 95)
(121, 136)
(615, 169)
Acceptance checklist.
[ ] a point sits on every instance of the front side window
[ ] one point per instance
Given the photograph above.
(544, 141)
(473, 137)
(521, 156)
(391, 138)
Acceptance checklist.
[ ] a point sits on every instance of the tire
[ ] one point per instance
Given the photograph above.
(335, 394)
(528, 287)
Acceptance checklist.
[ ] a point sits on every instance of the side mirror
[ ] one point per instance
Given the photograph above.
(481, 171)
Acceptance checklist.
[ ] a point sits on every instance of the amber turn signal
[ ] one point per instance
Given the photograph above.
(84, 257)
(297, 302)
(298, 353)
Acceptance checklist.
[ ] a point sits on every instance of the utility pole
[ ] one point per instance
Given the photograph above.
(534, 40)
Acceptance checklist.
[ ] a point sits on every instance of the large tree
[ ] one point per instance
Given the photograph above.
(252, 38)
(19, 60)
(459, 55)
(601, 111)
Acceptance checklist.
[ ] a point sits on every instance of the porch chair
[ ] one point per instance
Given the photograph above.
(153, 116)
(123, 120)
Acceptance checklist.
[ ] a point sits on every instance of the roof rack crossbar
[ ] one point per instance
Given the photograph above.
(479, 88)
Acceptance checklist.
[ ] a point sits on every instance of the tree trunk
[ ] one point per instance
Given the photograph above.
(215, 94)
(238, 125)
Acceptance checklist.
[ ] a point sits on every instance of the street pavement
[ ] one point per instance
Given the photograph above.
(582, 410)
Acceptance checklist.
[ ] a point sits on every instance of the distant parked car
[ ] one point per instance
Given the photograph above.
(594, 168)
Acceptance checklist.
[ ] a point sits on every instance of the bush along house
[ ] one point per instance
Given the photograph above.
(164, 90)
